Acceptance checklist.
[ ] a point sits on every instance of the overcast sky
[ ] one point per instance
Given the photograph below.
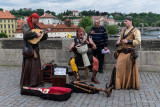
(123, 6)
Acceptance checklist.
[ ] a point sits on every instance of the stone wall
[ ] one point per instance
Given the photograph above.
(57, 49)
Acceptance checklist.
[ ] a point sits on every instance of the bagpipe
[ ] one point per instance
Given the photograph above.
(82, 87)
(83, 51)
(51, 93)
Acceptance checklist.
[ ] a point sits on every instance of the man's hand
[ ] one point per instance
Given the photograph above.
(118, 42)
(105, 48)
(125, 41)
(48, 29)
(86, 41)
(38, 34)
(92, 32)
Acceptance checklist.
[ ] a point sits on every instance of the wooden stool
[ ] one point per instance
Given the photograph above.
(86, 71)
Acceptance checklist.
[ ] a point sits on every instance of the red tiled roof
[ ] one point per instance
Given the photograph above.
(18, 31)
(58, 28)
(77, 19)
(74, 11)
(63, 30)
(43, 26)
(20, 22)
(64, 26)
(46, 15)
(6, 15)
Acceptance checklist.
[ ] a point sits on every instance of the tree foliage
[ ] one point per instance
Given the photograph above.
(1, 9)
(86, 21)
(149, 19)
(88, 28)
(3, 35)
(112, 29)
(27, 12)
(93, 13)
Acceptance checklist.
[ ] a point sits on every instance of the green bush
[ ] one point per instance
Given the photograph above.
(112, 29)
(3, 35)
(86, 21)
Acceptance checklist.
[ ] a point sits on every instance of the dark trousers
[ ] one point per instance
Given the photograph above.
(98, 54)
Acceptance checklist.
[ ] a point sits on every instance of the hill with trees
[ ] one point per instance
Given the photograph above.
(149, 19)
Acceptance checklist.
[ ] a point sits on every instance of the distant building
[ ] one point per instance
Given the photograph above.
(99, 17)
(49, 19)
(18, 33)
(8, 23)
(110, 17)
(118, 22)
(20, 22)
(62, 30)
(25, 18)
(106, 22)
(76, 21)
(75, 13)
(57, 30)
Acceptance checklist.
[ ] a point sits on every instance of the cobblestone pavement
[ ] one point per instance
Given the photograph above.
(147, 96)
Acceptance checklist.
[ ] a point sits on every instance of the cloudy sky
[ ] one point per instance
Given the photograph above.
(123, 6)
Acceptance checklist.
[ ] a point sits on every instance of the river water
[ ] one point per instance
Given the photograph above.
(151, 34)
(148, 35)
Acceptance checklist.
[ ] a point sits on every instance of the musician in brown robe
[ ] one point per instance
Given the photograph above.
(125, 73)
(31, 66)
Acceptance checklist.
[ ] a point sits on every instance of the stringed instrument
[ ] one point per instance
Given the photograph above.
(36, 40)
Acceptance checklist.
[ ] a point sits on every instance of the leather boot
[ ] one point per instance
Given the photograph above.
(93, 79)
(76, 76)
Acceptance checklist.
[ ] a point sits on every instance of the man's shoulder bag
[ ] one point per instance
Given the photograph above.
(27, 50)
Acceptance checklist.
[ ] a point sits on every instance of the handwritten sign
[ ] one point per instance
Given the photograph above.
(60, 71)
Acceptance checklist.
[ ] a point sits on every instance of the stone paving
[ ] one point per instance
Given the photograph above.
(147, 96)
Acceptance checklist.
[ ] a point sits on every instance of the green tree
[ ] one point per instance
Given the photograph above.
(137, 22)
(146, 25)
(53, 13)
(40, 12)
(158, 24)
(68, 12)
(88, 28)
(153, 24)
(122, 24)
(112, 29)
(3, 35)
(86, 21)
(1, 9)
